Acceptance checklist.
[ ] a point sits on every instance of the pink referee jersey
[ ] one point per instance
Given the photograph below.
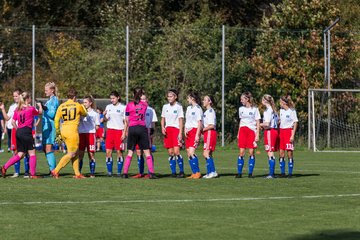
(25, 117)
(136, 113)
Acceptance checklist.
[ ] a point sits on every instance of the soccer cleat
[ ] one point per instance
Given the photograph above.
(15, 175)
(109, 174)
(181, 175)
(26, 175)
(214, 175)
(139, 175)
(92, 176)
(54, 174)
(125, 176)
(238, 176)
(282, 175)
(269, 177)
(197, 175)
(3, 172)
(191, 176)
(207, 176)
(79, 176)
(147, 176)
(34, 177)
(173, 175)
(152, 176)
(250, 175)
(289, 176)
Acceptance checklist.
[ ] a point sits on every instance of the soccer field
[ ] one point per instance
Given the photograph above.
(321, 202)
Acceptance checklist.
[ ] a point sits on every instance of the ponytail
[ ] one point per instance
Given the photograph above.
(22, 98)
(269, 99)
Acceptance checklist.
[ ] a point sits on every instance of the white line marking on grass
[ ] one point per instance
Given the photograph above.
(183, 200)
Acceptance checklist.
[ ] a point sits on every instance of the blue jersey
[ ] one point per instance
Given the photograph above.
(101, 118)
(48, 116)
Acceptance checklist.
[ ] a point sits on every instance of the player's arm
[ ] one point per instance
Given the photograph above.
(14, 119)
(163, 129)
(181, 128)
(57, 120)
(82, 110)
(51, 109)
(293, 132)
(257, 130)
(2, 107)
(198, 131)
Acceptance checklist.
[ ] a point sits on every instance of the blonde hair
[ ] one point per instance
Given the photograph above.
(22, 98)
(287, 99)
(250, 98)
(269, 99)
(53, 87)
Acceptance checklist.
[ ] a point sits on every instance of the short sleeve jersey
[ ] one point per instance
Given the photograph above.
(89, 122)
(115, 115)
(288, 118)
(10, 114)
(193, 115)
(209, 118)
(248, 117)
(271, 117)
(136, 113)
(171, 114)
(150, 117)
(25, 117)
(69, 112)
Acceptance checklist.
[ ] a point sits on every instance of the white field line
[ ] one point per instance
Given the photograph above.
(183, 200)
(300, 170)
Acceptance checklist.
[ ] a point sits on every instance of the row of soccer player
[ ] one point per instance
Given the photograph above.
(130, 121)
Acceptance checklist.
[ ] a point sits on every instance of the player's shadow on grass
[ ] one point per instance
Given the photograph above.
(264, 175)
(330, 235)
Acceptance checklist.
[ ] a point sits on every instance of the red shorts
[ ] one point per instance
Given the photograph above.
(246, 138)
(99, 133)
(13, 140)
(190, 139)
(271, 140)
(210, 140)
(150, 141)
(171, 138)
(113, 139)
(87, 141)
(285, 135)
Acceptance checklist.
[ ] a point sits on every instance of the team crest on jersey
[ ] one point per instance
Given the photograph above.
(175, 111)
(193, 113)
(118, 111)
(250, 113)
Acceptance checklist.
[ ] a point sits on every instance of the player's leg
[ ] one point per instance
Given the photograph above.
(109, 146)
(282, 162)
(48, 139)
(290, 154)
(179, 160)
(14, 159)
(140, 162)
(91, 149)
(194, 163)
(32, 163)
(83, 144)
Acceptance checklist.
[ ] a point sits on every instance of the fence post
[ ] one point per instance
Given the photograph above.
(127, 64)
(223, 88)
(33, 65)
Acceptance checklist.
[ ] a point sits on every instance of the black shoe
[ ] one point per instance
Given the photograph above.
(26, 175)
(152, 176)
(289, 176)
(250, 175)
(283, 175)
(173, 175)
(181, 175)
(125, 176)
(238, 176)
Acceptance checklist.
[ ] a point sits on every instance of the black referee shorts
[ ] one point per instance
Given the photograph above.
(138, 135)
(24, 139)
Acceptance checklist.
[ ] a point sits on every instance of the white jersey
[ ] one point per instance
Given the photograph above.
(115, 115)
(193, 115)
(10, 114)
(288, 118)
(172, 113)
(271, 117)
(248, 117)
(88, 124)
(209, 118)
(150, 117)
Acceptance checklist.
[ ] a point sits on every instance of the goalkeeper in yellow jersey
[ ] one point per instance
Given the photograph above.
(69, 112)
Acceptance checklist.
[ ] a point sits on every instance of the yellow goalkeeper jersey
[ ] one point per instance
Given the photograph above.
(70, 113)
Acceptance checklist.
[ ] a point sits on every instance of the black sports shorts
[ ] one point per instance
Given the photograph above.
(24, 140)
(138, 135)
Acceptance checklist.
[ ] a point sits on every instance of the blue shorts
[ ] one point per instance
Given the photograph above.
(48, 135)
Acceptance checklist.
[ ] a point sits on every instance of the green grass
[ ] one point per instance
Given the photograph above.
(167, 208)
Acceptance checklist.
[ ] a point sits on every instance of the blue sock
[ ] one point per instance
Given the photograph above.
(141, 164)
(26, 163)
(172, 163)
(196, 163)
(192, 165)
(208, 165)
(291, 165)
(240, 164)
(180, 162)
(92, 165)
(272, 166)
(212, 164)
(282, 165)
(81, 162)
(17, 167)
(251, 164)
(50, 157)
(120, 164)
(109, 164)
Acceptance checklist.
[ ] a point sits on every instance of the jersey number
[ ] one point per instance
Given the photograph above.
(22, 118)
(68, 114)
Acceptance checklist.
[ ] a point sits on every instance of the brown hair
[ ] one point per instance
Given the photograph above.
(287, 100)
